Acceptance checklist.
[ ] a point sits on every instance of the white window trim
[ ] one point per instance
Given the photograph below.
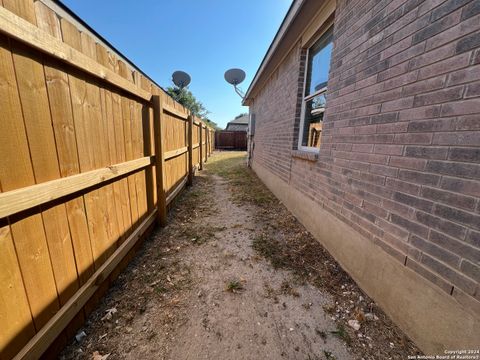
(306, 98)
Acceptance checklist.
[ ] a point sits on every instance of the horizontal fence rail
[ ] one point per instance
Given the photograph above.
(14, 201)
(93, 155)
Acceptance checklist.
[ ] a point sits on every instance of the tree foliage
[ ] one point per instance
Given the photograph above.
(211, 123)
(187, 99)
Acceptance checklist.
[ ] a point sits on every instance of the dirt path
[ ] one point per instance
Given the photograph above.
(217, 283)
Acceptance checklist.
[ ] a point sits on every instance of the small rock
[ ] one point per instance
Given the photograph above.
(80, 336)
(354, 324)
(97, 356)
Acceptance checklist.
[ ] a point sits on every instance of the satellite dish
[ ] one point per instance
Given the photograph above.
(235, 76)
(181, 79)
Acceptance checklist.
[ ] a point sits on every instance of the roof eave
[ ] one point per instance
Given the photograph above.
(287, 21)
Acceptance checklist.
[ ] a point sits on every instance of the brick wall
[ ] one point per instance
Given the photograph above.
(277, 115)
(400, 154)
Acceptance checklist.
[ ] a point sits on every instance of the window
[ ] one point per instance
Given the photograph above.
(314, 97)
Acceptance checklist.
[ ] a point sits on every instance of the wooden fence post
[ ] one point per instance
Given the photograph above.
(159, 160)
(190, 149)
(206, 144)
(211, 141)
(201, 147)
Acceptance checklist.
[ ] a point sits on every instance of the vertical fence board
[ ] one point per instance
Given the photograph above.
(160, 160)
(17, 171)
(201, 146)
(121, 187)
(138, 152)
(17, 327)
(15, 316)
(98, 201)
(190, 149)
(36, 114)
(22, 8)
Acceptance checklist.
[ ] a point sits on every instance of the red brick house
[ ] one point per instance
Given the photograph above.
(366, 124)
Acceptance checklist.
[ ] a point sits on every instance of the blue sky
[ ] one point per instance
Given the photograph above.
(201, 37)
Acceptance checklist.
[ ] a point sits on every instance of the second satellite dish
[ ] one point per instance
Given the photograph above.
(181, 79)
(235, 76)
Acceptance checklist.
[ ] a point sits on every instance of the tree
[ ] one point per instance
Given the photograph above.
(187, 99)
(212, 124)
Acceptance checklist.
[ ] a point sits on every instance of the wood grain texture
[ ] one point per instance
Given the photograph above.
(174, 153)
(173, 111)
(24, 31)
(40, 342)
(18, 200)
(190, 150)
(15, 317)
(76, 117)
(36, 113)
(160, 159)
(17, 171)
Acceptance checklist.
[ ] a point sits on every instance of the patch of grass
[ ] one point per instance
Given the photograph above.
(234, 286)
(329, 308)
(160, 289)
(200, 234)
(245, 187)
(329, 355)
(264, 245)
(287, 289)
(269, 291)
(342, 333)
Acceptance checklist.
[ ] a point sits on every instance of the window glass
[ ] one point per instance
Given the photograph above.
(318, 66)
(314, 108)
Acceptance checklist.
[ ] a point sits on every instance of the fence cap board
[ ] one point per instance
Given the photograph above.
(22, 30)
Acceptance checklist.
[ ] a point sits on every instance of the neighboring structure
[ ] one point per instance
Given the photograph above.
(238, 124)
(367, 127)
(234, 137)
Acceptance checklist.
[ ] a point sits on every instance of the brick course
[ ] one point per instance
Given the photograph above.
(400, 154)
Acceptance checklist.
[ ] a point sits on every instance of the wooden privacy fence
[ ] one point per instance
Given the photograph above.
(231, 140)
(93, 152)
